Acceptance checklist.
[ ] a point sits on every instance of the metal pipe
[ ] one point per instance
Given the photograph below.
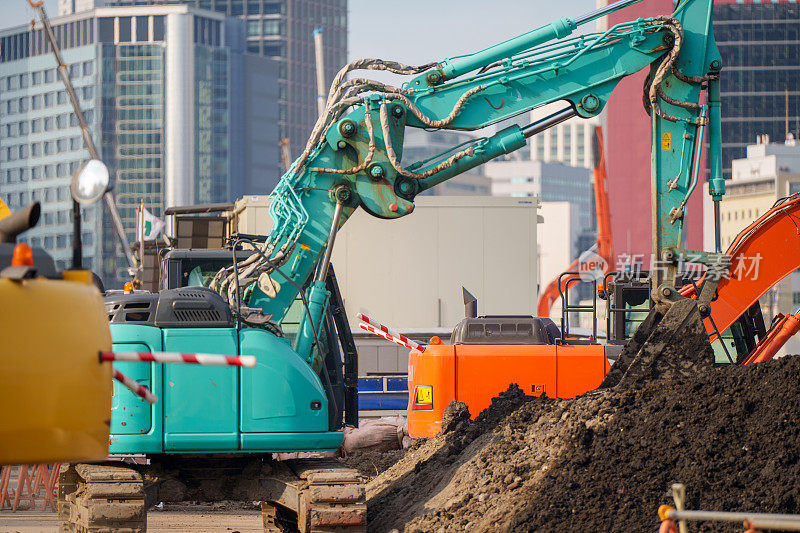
(786, 522)
(111, 204)
(322, 271)
(603, 11)
(717, 232)
(320, 60)
(456, 66)
(548, 122)
(679, 496)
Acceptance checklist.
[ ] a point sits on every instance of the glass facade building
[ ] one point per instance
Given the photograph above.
(760, 81)
(282, 30)
(164, 90)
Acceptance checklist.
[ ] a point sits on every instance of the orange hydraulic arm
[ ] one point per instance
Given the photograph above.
(782, 331)
(604, 245)
(764, 253)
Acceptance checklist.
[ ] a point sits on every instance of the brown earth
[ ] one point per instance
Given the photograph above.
(605, 461)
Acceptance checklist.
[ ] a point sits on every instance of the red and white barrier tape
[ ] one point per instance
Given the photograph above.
(367, 327)
(135, 387)
(177, 357)
(399, 338)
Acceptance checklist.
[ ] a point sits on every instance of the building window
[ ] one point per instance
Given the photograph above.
(124, 29)
(158, 28)
(49, 75)
(106, 30)
(273, 50)
(141, 29)
(49, 99)
(273, 27)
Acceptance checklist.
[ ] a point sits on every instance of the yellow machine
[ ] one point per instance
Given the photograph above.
(56, 396)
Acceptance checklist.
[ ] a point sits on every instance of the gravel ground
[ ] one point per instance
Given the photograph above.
(244, 521)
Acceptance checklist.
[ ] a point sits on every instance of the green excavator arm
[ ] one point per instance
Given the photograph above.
(354, 156)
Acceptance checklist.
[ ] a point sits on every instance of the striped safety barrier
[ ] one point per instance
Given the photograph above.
(135, 387)
(373, 326)
(177, 357)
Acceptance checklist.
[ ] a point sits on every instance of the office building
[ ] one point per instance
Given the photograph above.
(282, 30)
(760, 80)
(172, 100)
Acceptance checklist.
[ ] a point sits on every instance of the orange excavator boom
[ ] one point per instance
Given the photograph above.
(604, 246)
(761, 255)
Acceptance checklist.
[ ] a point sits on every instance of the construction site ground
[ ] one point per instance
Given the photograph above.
(205, 521)
(604, 461)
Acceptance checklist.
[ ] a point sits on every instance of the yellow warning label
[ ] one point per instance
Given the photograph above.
(666, 141)
(425, 394)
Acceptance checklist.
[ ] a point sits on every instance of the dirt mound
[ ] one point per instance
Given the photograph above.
(455, 416)
(605, 461)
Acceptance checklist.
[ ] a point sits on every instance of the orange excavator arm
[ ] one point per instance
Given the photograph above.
(604, 244)
(764, 253)
(550, 293)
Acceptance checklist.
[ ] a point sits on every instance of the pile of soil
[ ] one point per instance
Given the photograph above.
(605, 461)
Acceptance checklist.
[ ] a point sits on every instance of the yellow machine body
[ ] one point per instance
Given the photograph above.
(55, 394)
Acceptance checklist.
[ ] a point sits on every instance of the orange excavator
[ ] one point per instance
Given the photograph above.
(763, 254)
(604, 246)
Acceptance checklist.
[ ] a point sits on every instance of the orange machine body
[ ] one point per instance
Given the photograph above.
(474, 374)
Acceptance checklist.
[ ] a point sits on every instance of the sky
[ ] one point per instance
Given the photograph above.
(412, 31)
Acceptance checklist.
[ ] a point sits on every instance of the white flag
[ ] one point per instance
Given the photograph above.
(151, 225)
